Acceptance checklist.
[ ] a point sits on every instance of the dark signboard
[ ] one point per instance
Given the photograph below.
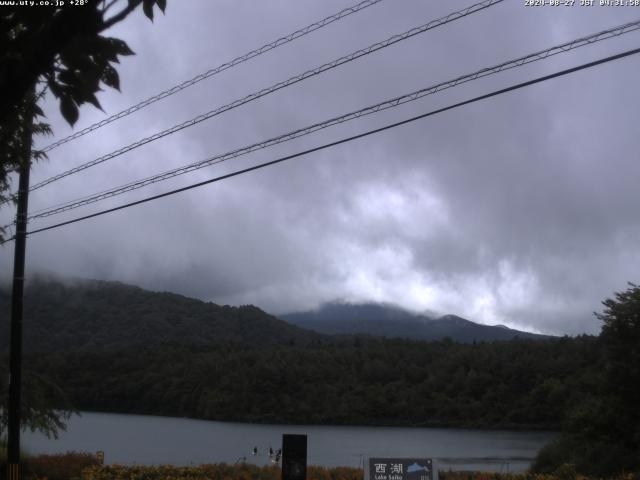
(294, 457)
(401, 469)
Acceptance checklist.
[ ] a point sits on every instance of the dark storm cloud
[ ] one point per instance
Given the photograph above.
(518, 210)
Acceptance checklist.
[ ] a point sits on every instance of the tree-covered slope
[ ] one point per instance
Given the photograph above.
(116, 348)
(87, 314)
(365, 381)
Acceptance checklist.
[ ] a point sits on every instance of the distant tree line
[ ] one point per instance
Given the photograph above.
(115, 348)
(363, 381)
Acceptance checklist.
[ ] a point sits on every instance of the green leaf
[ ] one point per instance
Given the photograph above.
(104, 47)
(162, 4)
(67, 77)
(110, 77)
(121, 47)
(69, 110)
(55, 88)
(77, 61)
(37, 111)
(147, 7)
(93, 100)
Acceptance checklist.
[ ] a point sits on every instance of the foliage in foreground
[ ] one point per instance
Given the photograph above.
(85, 466)
(601, 435)
(252, 472)
(66, 466)
(38, 394)
(213, 472)
(60, 50)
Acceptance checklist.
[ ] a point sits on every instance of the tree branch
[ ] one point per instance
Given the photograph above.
(108, 6)
(119, 16)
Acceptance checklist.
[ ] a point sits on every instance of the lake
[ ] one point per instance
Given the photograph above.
(148, 440)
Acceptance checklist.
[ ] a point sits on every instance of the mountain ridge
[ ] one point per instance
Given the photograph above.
(89, 314)
(116, 348)
(340, 318)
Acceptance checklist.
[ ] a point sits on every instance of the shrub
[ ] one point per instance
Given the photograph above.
(213, 472)
(66, 466)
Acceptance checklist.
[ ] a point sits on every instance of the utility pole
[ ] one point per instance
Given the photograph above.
(15, 355)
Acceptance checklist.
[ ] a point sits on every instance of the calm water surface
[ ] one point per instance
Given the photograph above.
(139, 439)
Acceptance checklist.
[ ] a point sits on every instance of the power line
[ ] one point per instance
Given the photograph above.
(387, 104)
(278, 86)
(345, 140)
(214, 71)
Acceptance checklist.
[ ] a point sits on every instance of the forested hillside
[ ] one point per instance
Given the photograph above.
(518, 384)
(117, 348)
(90, 314)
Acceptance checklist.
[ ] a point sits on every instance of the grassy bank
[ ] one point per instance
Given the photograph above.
(85, 466)
(213, 472)
(68, 466)
(252, 472)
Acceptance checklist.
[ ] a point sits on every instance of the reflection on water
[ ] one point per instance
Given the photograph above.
(139, 439)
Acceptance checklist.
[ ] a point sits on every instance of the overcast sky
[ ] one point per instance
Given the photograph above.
(520, 210)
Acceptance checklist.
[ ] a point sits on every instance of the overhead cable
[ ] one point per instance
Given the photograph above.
(387, 104)
(278, 86)
(214, 71)
(344, 140)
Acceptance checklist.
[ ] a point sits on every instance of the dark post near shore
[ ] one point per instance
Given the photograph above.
(294, 457)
